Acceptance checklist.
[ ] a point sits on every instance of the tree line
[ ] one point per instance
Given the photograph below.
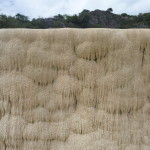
(81, 20)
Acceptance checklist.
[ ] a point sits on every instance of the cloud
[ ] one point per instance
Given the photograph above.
(49, 8)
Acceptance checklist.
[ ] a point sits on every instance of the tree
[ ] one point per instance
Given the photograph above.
(21, 17)
(147, 18)
(4, 21)
(109, 10)
(73, 19)
(124, 15)
(38, 23)
(84, 18)
(140, 18)
(59, 17)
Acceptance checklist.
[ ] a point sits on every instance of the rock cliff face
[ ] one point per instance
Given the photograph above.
(105, 19)
(74, 89)
(96, 18)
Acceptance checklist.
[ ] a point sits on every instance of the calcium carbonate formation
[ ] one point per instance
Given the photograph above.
(75, 89)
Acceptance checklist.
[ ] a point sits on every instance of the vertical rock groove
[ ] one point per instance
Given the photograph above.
(74, 89)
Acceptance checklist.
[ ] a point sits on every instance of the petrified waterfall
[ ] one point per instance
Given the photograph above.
(75, 89)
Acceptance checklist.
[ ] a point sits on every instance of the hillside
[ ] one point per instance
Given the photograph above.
(85, 19)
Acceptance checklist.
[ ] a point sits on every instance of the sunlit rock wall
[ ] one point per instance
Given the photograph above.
(74, 89)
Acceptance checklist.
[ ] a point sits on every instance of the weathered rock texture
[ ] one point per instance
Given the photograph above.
(74, 89)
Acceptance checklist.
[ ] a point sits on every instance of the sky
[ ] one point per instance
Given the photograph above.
(50, 8)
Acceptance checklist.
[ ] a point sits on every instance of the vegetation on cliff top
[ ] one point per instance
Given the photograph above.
(85, 19)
